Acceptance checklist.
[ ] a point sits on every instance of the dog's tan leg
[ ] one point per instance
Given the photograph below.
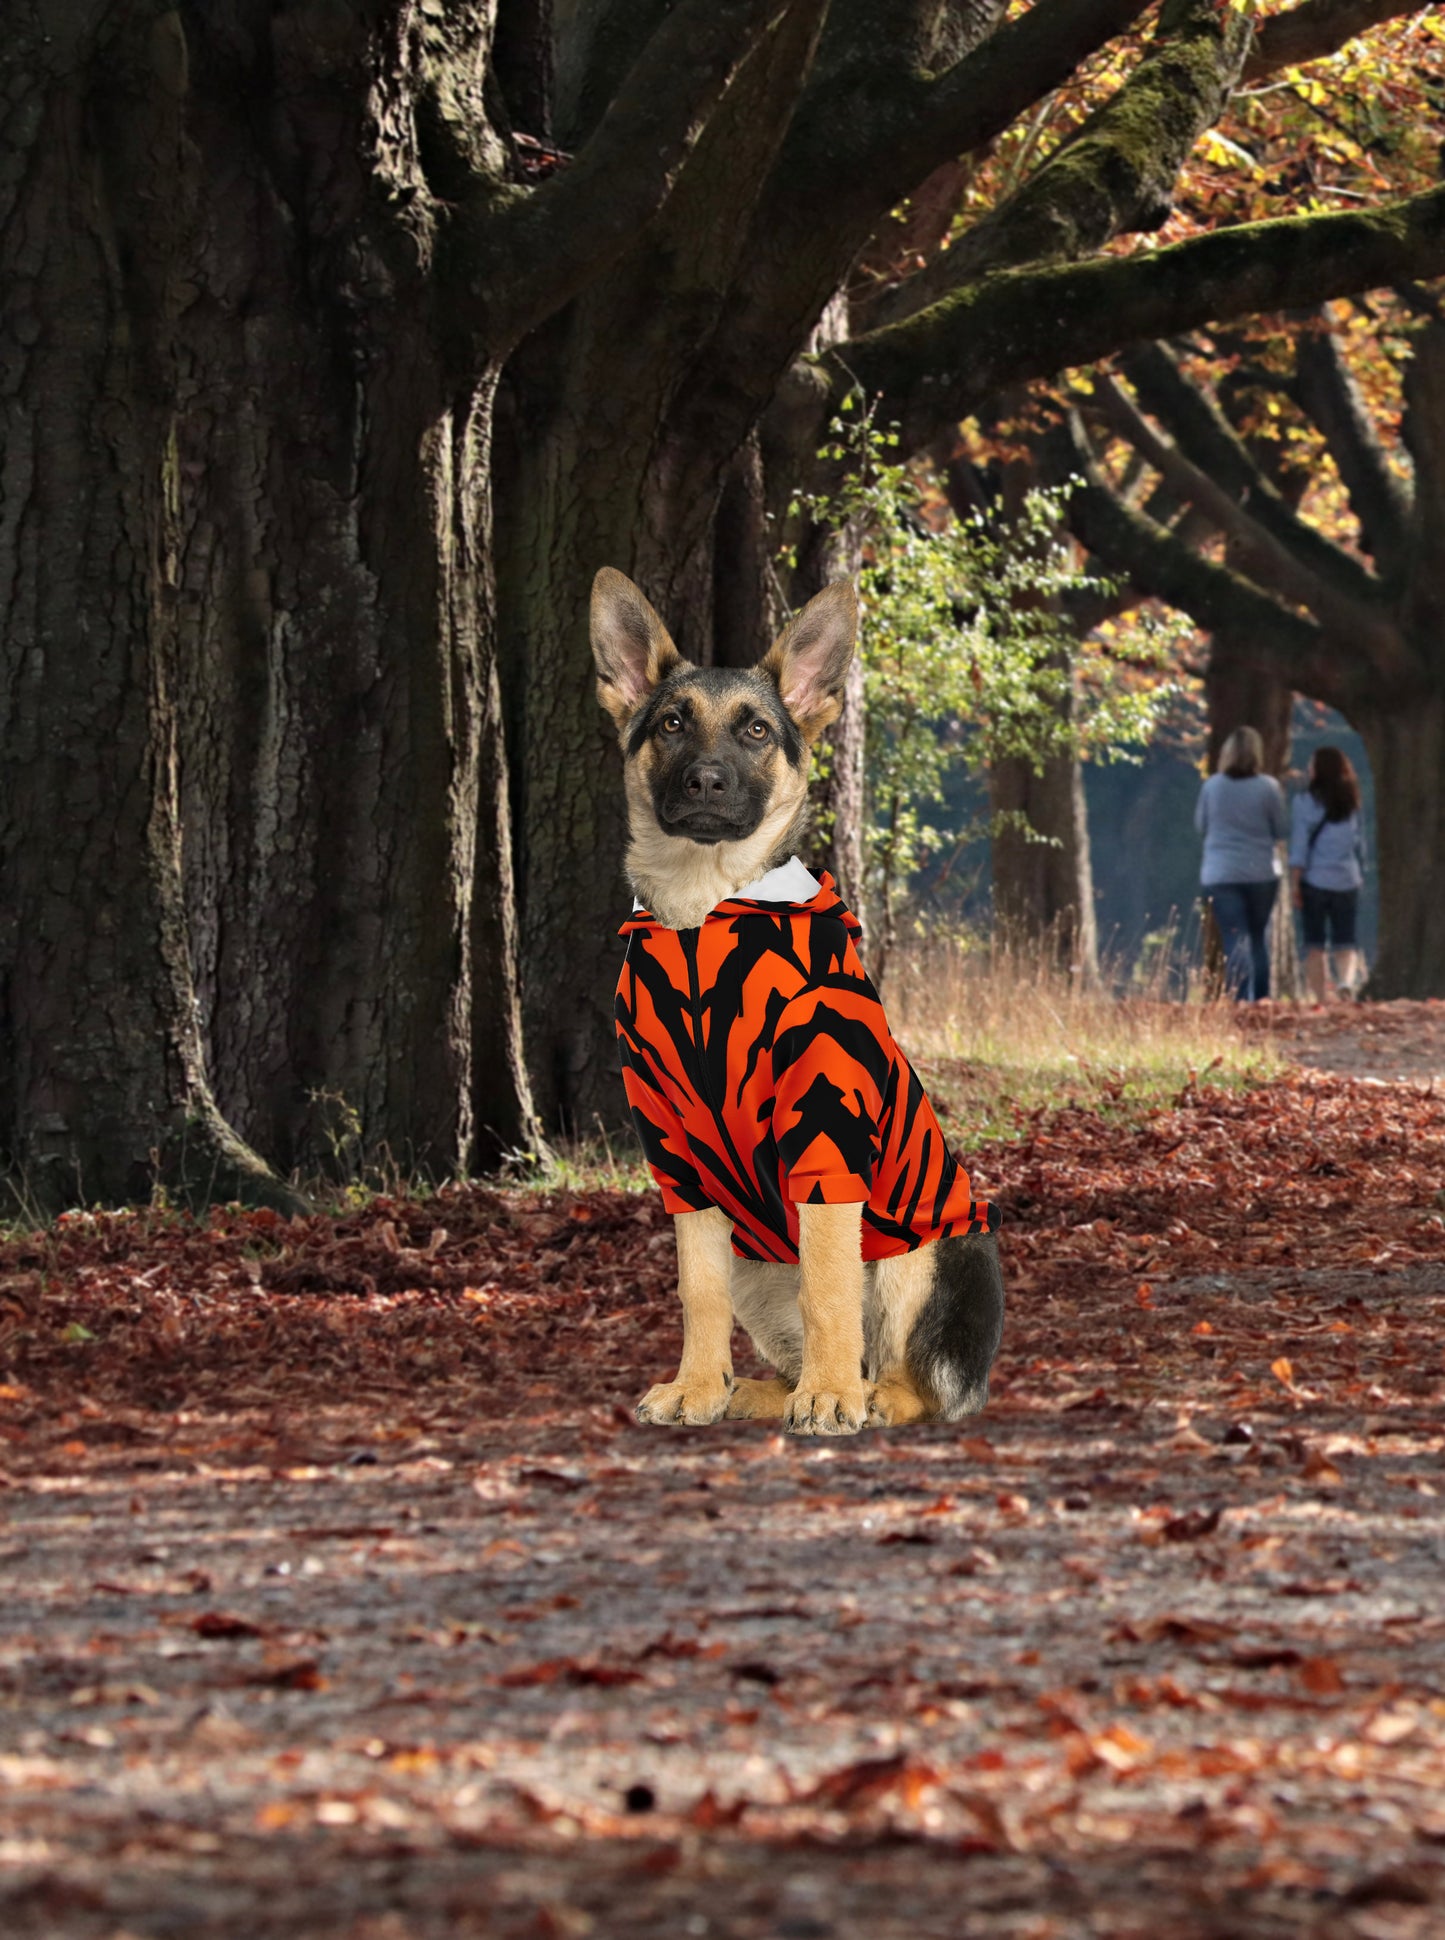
(901, 1285)
(830, 1398)
(758, 1400)
(705, 1376)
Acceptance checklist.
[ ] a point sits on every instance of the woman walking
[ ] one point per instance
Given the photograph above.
(1241, 815)
(1326, 866)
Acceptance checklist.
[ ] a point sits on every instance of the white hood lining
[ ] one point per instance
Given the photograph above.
(790, 882)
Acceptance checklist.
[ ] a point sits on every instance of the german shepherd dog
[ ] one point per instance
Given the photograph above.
(814, 1197)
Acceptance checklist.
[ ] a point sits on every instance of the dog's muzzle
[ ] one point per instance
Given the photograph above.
(708, 805)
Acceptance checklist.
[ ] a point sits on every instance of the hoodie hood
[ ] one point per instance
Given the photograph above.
(791, 886)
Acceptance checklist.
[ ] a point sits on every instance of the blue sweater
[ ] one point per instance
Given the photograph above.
(1335, 861)
(1241, 817)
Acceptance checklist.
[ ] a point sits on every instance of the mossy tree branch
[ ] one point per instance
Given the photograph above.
(875, 123)
(1117, 173)
(870, 128)
(1016, 325)
(919, 36)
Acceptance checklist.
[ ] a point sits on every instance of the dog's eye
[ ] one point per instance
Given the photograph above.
(758, 730)
(671, 724)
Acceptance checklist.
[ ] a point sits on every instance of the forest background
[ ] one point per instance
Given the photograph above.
(341, 344)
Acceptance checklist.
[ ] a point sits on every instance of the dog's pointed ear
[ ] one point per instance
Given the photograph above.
(631, 646)
(809, 659)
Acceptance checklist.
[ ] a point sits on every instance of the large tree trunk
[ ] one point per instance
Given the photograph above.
(624, 445)
(841, 798)
(1043, 876)
(251, 739)
(1043, 890)
(1242, 691)
(102, 1070)
(747, 595)
(570, 482)
(1407, 760)
(588, 476)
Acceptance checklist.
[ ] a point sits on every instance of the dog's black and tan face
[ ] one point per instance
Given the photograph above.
(716, 758)
(711, 743)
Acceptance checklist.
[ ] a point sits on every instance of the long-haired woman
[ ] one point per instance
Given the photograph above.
(1241, 815)
(1326, 866)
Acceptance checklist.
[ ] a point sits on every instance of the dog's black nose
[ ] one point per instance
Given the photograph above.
(704, 781)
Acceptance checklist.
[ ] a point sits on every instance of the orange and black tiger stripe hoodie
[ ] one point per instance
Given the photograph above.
(762, 1075)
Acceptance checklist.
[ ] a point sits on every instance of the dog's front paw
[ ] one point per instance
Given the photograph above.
(825, 1411)
(685, 1404)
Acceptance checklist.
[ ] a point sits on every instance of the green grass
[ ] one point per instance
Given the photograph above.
(607, 1163)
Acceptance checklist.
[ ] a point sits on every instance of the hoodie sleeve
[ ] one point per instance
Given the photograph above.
(664, 1144)
(655, 1117)
(831, 1067)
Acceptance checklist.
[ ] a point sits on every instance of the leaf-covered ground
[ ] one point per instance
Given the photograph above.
(343, 1596)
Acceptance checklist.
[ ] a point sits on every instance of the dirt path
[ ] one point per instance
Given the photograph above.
(1395, 1043)
(371, 1613)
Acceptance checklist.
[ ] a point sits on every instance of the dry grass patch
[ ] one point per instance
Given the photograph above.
(997, 1038)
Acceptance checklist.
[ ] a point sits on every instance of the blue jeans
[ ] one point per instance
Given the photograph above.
(1242, 911)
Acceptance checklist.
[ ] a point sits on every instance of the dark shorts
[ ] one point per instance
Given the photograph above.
(1331, 910)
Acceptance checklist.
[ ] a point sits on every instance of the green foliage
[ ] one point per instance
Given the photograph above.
(970, 655)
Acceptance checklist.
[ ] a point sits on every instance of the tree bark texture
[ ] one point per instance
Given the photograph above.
(842, 803)
(840, 794)
(102, 1071)
(1407, 761)
(1043, 877)
(1043, 900)
(245, 529)
(1240, 691)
